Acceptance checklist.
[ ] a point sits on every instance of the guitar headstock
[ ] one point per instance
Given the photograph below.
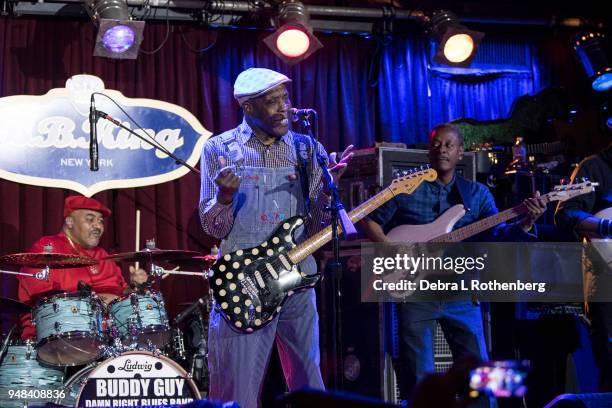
(565, 192)
(410, 182)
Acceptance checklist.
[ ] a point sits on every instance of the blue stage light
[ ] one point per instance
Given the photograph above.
(118, 35)
(590, 49)
(118, 39)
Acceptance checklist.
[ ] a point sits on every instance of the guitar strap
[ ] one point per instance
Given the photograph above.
(463, 186)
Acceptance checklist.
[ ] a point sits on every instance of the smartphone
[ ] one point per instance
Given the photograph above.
(503, 379)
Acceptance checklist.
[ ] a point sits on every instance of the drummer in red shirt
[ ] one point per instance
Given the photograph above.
(83, 227)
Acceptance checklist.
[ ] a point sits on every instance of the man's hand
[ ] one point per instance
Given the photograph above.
(227, 182)
(138, 276)
(536, 207)
(337, 168)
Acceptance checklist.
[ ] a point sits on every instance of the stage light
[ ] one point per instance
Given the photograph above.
(457, 44)
(590, 49)
(293, 40)
(118, 36)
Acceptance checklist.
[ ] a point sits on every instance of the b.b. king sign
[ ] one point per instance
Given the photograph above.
(44, 140)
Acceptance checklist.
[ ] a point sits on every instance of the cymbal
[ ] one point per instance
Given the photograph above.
(50, 259)
(153, 255)
(8, 305)
(196, 263)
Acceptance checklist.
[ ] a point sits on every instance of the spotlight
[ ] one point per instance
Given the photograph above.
(293, 40)
(456, 44)
(590, 48)
(118, 36)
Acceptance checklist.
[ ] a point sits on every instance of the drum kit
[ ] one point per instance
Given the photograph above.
(127, 352)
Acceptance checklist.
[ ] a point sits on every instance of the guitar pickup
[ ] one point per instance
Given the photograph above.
(260, 280)
(272, 271)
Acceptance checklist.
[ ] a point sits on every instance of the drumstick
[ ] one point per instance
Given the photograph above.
(166, 272)
(173, 272)
(137, 265)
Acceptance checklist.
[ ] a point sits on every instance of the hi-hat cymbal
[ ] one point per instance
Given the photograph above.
(47, 259)
(8, 305)
(153, 255)
(196, 263)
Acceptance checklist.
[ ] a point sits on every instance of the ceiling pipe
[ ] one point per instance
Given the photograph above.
(338, 13)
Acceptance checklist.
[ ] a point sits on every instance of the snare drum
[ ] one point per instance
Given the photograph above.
(140, 318)
(135, 378)
(23, 379)
(69, 328)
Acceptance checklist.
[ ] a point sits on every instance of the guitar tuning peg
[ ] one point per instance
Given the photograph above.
(421, 168)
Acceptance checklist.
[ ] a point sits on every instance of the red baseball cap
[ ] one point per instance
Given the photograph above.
(72, 203)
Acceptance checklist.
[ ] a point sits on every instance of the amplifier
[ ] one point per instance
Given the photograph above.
(369, 338)
(374, 168)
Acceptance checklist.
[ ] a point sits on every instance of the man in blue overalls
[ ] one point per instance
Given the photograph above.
(254, 177)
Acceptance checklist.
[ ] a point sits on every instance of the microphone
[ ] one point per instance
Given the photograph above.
(190, 309)
(297, 114)
(93, 136)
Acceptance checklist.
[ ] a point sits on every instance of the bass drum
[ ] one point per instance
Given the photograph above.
(134, 378)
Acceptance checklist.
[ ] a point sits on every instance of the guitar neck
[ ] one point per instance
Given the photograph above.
(315, 242)
(482, 225)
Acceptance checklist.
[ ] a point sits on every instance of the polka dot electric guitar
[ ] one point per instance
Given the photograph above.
(250, 285)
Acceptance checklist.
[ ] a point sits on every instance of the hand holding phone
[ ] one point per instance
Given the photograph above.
(501, 379)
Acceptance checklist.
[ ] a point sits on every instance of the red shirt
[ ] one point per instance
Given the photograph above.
(105, 277)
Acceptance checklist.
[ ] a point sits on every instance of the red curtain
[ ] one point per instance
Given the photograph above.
(38, 54)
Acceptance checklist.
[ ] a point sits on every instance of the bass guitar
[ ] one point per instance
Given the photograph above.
(441, 230)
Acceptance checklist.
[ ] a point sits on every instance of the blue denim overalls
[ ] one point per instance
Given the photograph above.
(238, 362)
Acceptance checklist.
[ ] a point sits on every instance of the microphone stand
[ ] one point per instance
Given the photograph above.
(177, 160)
(338, 216)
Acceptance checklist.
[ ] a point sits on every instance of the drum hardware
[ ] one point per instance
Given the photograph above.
(178, 344)
(75, 329)
(41, 275)
(6, 342)
(29, 349)
(196, 338)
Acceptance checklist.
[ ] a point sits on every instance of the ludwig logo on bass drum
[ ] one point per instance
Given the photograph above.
(129, 366)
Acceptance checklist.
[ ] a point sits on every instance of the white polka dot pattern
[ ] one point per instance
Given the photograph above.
(255, 82)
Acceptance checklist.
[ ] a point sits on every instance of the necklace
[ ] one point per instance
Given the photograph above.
(93, 269)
